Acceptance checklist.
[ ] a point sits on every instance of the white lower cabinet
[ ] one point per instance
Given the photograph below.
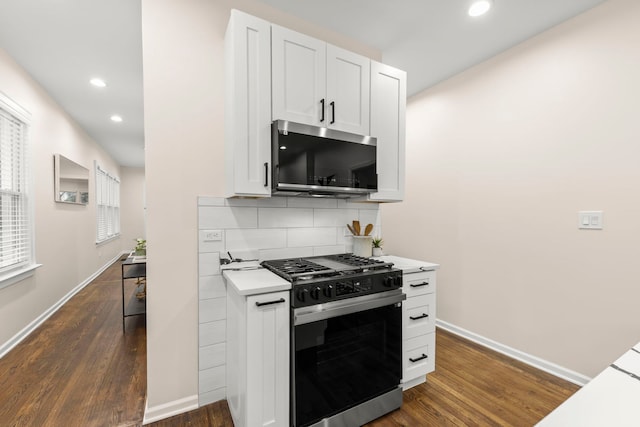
(258, 359)
(418, 359)
(418, 318)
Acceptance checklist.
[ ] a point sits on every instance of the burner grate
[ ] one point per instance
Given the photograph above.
(298, 269)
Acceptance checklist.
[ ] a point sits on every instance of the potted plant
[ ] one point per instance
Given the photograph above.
(376, 242)
(141, 247)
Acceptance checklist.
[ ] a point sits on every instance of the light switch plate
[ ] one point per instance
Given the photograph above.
(590, 220)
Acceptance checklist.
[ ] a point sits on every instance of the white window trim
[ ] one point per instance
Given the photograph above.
(97, 199)
(13, 276)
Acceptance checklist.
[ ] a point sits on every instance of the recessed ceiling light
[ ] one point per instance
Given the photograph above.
(479, 7)
(98, 82)
(116, 118)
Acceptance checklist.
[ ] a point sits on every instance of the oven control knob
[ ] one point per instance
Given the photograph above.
(302, 295)
(388, 281)
(315, 292)
(328, 291)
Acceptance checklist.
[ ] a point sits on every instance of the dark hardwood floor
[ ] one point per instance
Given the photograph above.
(79, 369)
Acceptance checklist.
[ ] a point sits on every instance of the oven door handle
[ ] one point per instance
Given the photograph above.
(319, 312)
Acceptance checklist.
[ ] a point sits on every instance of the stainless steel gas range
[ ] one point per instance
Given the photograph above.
(346, 338)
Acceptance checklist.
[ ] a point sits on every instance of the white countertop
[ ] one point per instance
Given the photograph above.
(248, 278)
(611, 399)
(408, 265)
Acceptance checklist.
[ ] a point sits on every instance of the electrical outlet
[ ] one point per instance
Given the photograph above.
(212, 235)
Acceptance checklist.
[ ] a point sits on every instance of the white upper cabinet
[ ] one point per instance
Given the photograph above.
(299, 77)
(388, 110)
(247, 106)
(348, 79)
(318, 84)
(273, 73)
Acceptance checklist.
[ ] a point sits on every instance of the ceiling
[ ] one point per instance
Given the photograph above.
(64, 43)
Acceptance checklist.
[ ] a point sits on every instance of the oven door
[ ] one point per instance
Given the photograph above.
(345, 353)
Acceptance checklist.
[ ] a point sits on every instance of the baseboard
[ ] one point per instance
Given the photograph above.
(17, 338)
(169, 409)
(529, 359)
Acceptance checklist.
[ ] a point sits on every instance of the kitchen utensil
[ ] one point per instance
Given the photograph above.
(368, 229)
(356, 228)
(351, 229)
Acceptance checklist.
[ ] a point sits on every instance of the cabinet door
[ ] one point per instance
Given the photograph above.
(299, 77)
(388, 106)
(268, 332)
(348, 76)
(248, 106)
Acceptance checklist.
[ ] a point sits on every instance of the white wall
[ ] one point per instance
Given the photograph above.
(132, 206)
(183, 50)
(65, 234)
(501, 158)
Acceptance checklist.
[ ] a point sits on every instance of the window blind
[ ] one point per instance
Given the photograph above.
(15, 224)
(108, 205)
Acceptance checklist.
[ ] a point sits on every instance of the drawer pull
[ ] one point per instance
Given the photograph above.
(417, 285)
(417, 359)
(260, 304)
(419, 317)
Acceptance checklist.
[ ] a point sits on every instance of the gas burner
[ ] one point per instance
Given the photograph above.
(318, 267)
(354, 260)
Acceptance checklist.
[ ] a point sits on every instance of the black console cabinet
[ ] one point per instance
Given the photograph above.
(133, 306)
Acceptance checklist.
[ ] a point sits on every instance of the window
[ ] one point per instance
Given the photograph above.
(16, 223)
(108, 204)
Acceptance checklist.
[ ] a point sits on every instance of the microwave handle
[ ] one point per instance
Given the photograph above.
(266, 174)
(333, 112)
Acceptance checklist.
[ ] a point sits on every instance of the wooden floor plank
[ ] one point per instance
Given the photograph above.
(79, 369)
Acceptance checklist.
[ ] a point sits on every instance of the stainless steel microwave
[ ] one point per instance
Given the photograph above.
(314, 161)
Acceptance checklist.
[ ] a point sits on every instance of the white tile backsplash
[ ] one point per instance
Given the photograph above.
(212, 309)
(328, 250)
(286, 253)
(207, 397)
(370, 217)
(298, 237)
(255, 239)
(212, 356)
(334, 217)
(285, 217)
(208, 264)
(211, 287)
(359, 205)
(211, 201)
(307, 202)
(223, 217)
(267, 228)
(212, 332)
(212, 379)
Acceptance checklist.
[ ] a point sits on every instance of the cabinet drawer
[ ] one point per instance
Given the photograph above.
(419, 283)
(419, 356)
(419, 315)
